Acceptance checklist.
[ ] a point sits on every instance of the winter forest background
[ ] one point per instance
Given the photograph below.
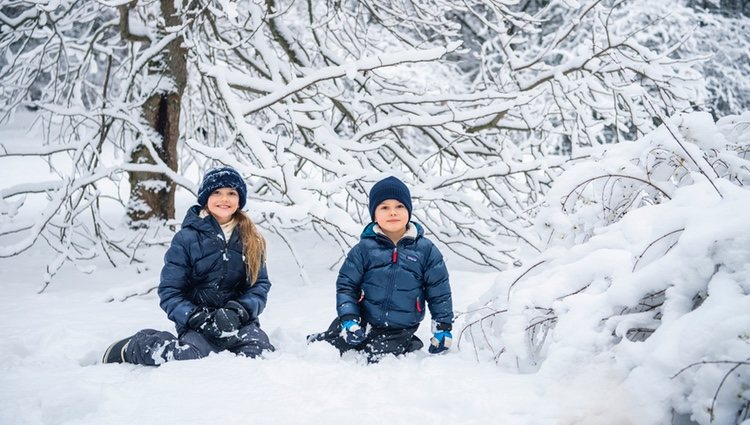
(587, 158)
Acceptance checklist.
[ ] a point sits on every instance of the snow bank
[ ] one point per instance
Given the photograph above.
(647, 270)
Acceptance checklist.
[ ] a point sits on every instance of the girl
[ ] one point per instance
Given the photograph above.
(214, 283)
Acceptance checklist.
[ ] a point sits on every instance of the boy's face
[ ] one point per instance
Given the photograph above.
(223, 203)
(392, 217)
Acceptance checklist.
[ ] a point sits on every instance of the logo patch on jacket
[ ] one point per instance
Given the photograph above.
(412, 258)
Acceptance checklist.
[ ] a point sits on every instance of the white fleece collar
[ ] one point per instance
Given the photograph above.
(411, 231)
(226, 228)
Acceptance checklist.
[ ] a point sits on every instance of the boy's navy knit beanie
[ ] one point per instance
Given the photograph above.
(217, 178)
(389, 188)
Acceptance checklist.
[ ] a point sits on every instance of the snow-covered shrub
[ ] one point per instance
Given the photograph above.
(647, 266)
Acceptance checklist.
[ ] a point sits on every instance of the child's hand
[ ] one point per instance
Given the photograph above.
(203, 322)
(352, 333)
(237, 308)
(440, 341)
(226, 320)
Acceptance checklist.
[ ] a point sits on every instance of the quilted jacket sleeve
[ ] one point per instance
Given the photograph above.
(437, 287)
(349, 284)
(254, 297)
(175, 280)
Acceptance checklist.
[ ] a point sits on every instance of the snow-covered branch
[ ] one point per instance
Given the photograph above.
(629, 272)
(477, 104)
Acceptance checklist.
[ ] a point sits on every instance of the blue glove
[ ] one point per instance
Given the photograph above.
(440, 341)
(352, 333)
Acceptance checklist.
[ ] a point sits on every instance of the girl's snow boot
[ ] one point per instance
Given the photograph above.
(116, 352)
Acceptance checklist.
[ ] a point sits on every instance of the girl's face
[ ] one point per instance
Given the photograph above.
(223, 203)
(392, 217)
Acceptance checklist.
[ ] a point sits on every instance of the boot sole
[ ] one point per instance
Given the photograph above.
(117, 346)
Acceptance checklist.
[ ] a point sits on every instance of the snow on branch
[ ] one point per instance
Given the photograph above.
(478, 105)
(630, 274)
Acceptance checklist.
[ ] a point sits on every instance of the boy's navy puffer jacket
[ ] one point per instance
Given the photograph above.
(387, 285)
(202, 270)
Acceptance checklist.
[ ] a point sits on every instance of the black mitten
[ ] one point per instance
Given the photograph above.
(226, 320)
(240, 310)
(203, 321)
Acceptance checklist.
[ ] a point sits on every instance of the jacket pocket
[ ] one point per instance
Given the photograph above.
(419, 308)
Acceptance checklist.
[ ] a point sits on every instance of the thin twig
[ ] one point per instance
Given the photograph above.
(652, 244)
(704, 362)
(681, 143)
(522, 275)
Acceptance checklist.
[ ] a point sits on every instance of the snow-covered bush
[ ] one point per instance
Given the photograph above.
(647, 265)
(478, 105)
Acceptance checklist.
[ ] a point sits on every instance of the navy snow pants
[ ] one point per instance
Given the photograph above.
(151, 347)
(378, 343)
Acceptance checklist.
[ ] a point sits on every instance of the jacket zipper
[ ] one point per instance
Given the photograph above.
(224, 256)
(391, 284)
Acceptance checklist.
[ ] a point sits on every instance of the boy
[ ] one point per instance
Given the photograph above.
(385, 281)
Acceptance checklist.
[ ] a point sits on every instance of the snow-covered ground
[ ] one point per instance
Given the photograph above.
(52, 344)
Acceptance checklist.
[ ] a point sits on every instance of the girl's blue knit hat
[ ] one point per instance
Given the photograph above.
(217, 178)
(389, 188)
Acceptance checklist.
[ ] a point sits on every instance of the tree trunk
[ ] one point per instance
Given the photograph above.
(152, 194)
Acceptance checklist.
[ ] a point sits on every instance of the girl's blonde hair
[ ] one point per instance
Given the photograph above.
(253, 245)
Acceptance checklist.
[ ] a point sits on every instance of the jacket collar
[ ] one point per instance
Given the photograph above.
(206, 224)
(413, 231)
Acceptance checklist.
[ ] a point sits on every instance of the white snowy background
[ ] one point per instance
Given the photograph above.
(548, 139)
(693, 249)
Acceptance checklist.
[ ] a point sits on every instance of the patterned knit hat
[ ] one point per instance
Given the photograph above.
(389, 188)
(217, 178)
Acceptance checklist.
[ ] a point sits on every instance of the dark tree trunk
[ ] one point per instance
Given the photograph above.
(152, 194)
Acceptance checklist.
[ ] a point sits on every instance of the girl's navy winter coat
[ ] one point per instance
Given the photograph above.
(387, 284)
(201, 269)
